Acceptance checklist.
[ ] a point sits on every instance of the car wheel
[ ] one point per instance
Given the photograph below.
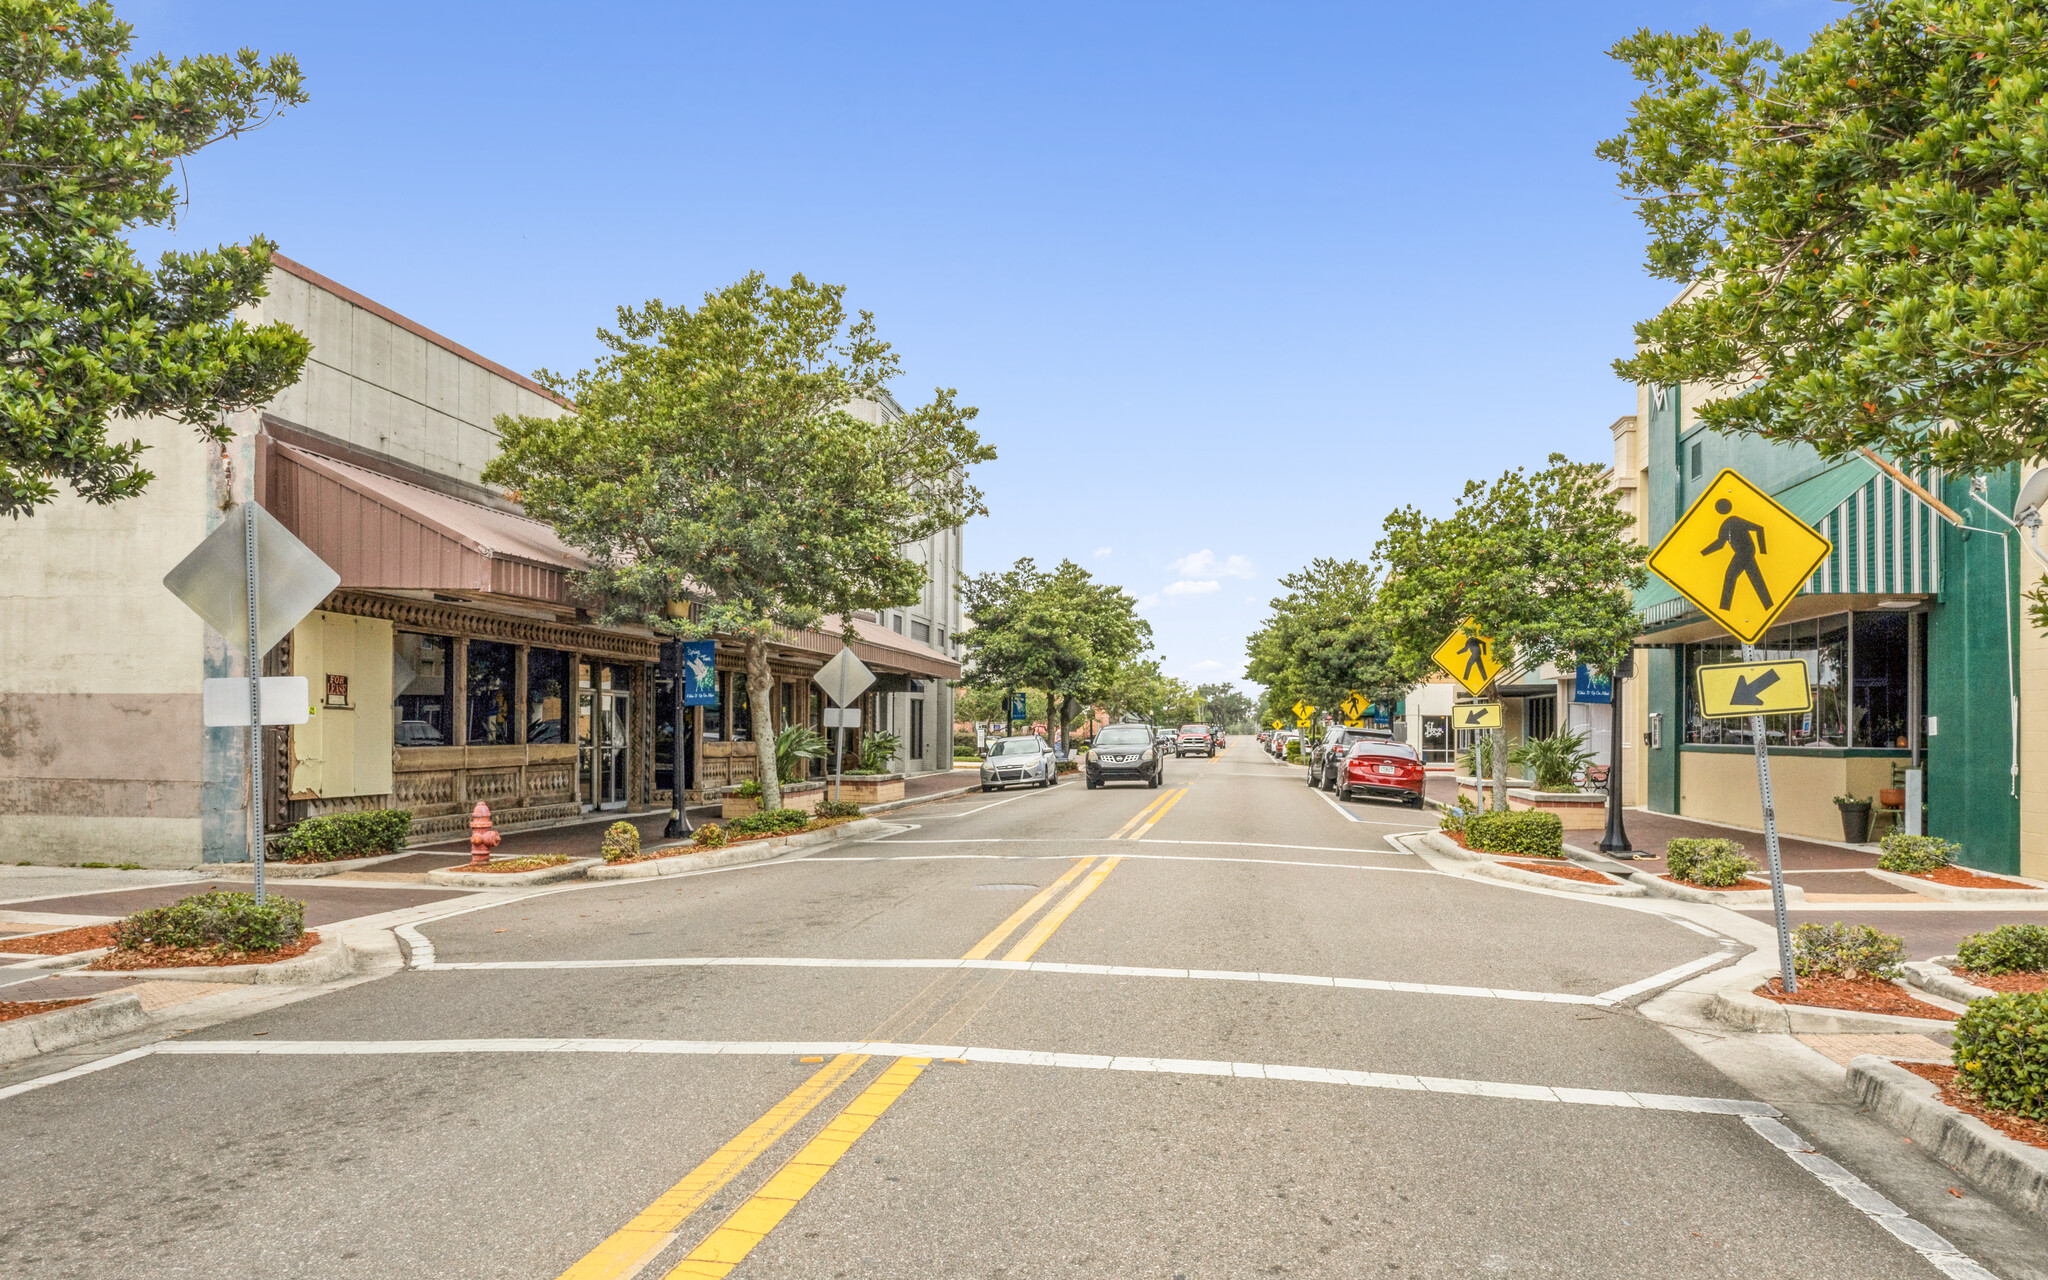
(986, 788)
(1157, 778)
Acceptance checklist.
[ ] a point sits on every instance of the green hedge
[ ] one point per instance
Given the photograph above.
(1714, 863)
(1847, 951)
(2001, 1052)
(221, 921)
(708, 836)
(2010, 948)
(771, 822)
(342, 835)
(621, 841)
(1910, 855)
(838, 809)
(1539, 835)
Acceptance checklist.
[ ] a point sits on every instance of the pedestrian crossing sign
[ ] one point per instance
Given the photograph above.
(1739, 556)
(1354, 708)
(1468, 657)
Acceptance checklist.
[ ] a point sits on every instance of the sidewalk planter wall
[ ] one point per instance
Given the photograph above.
(871, 788)
(806, 796)
(732, 805)
(1578, 811)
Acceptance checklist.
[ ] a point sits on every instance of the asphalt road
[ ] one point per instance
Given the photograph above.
(1177, 1087)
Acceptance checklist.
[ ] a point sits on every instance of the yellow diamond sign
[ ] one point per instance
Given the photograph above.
(1476, 715)
(1468, 657)
(1355, 707)
(1754, 688)
(1739, 556)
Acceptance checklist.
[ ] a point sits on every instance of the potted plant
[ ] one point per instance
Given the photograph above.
(1855, 818)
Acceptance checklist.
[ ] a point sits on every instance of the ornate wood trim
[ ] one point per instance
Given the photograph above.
(442, 618)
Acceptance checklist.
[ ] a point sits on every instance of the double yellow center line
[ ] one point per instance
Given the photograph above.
(626, 1251)
(1149, 816)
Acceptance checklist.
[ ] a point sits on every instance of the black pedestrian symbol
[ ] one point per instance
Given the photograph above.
(1475, 657)
(1746, 541)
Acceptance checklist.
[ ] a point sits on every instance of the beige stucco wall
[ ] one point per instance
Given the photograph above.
(343, 751)
(1720, 786)
(2032, 652)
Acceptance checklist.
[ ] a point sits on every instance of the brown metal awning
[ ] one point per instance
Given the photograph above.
(381, 532)
(876, 645)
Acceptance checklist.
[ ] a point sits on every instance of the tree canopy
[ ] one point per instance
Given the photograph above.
(1867, 215)
(1321, 642)
(1223, 704)
(714, 455)
(88, 143)
(1061, 632)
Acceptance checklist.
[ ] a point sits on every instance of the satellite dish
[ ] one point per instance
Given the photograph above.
(2033, 494)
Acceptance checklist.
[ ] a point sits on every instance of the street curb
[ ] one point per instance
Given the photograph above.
(274, 870)
(734, 855)
(887, 805)
(39, 1033)
(574, 869)
(333, 958)
(69, 960)
(1484, 865)
(1934, 976)
(1735, 1005)
(1962, 893)
(1662, 888)
(1979, 1152)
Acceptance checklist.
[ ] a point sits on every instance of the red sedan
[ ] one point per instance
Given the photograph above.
(1387, 770)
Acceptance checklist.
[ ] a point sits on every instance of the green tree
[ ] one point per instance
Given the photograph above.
(1060, 632)
(1223, 704)
(1866, 212)
(88, 143)
(711, 456)
(1321, 642)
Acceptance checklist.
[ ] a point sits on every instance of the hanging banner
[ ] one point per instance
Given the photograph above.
(1592, 686)
(700, 673)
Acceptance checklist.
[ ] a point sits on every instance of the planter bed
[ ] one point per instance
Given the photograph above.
(559, 867)
(1960, 884)
(61, 943)
(1942, 1076)
(197, 957)
(1964, 878)
(308, 868)
(1857, 995)
(1740, 886)
(1920, 1107)
(683, 858)
(1563, 871)
(682, 850)
(2004, 982)
(12, 1009)
(515, 866)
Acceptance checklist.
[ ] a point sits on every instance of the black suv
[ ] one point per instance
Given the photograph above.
(1327, 756)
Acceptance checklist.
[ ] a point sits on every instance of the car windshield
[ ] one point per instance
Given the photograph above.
(1400, 750)
(1016, 747)
(1123, 736)
(1194, 728)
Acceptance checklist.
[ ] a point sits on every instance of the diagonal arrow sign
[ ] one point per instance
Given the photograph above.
(1745, 694)
(1474, 717)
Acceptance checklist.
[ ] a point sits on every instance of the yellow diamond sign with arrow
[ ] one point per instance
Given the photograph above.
(1754, 688)
(1739, 556)
(1468, 657)
(1476, 715)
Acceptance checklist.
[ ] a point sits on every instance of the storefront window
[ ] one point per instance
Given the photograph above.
(1877, 705)
(491, 668)
(714, 715)
(742, 713)
(547, 695)
(1869, 711)
(421, 715)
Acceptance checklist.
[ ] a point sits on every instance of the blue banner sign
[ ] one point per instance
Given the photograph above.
(1016, 706)
(1591, 686)
(700, 673)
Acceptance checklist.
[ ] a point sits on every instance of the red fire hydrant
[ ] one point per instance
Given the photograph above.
(482, 839)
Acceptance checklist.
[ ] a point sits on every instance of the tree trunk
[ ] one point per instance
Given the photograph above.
(761, 703)
(1500, 770)
(1052, 727)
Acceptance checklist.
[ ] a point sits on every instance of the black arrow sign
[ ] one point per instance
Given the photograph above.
(1474, 717)
(1745, 694)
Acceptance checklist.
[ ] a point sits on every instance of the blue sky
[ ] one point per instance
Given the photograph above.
(1228, 282)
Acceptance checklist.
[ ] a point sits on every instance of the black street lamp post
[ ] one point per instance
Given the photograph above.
(1615, 842)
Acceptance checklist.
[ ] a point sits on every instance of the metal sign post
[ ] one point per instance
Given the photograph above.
(255, 703)
(1789, 981)
(843, 679)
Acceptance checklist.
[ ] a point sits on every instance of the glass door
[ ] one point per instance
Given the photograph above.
(612, 752)
(586, 742)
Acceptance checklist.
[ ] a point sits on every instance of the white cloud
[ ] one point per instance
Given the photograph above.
(1203, 667)
(1101, 551)
(1189, 587)
(1199, 563)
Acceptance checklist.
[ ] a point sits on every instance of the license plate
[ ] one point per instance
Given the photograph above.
(1387, 768)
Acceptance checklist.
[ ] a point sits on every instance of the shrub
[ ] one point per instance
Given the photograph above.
(876, 751)
(1554, 761)
(1909, 855)
(1713, 863)
(621, 841)
(343, 835)
(1539, 835)
(795, 747)
(1476, 761)
(708, 836)
(748, 790)
(1846, 950)
(2002, 1052)
(1293, 749)
(838, 809)
(1452, 821)
(2010, 948)
(771, 822)
(221, 921)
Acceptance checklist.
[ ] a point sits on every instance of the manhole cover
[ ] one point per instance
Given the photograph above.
(1006, 886)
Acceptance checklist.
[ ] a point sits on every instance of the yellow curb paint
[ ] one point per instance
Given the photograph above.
(1035, 939)
(1159, 813)
(981, 950)
(633, 1245)
(735, 1238)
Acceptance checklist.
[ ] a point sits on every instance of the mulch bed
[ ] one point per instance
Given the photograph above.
(1719, 888)
(816, 824)
(179, 957)
(2006, 981)
(1563, 871)
(2018, 1128)
(12, 1009)
(1964, 878)
(61, 944)
(1861, 995)
(511, 866)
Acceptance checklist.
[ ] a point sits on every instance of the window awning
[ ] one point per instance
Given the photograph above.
(876, 645)
(1887, 542)
(381, 532)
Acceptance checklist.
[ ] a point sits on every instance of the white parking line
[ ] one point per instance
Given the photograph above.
(1671, 975)
(1039, 791)
(1342, 812)
(1029, 966)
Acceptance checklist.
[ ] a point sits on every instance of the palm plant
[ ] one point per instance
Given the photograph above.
(1476, 761)
(1555, 761)
(794, 745)
(877, 750)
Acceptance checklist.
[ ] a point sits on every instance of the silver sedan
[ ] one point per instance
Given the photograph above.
(1025, 761)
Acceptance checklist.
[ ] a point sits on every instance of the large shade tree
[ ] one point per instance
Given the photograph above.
(1867, 216)
(712, 456)
(1058, 632)
(1322, 643)
(89, 142)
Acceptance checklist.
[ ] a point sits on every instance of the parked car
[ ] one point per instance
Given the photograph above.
(1377, 767)
(1194, 737)
(1164, 738)
(1125, 753)
(1025, 761)
(1324, 756)
(1280, 740)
